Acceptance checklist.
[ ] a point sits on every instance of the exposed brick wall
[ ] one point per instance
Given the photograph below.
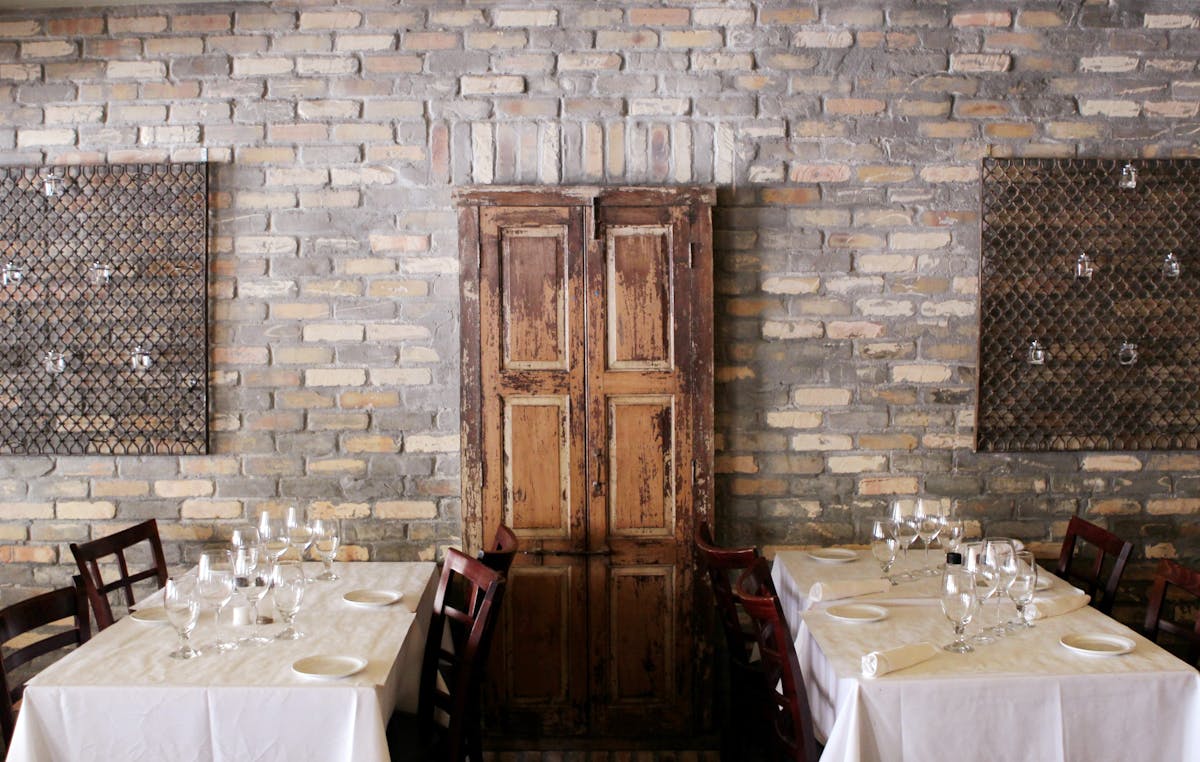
(845, 138)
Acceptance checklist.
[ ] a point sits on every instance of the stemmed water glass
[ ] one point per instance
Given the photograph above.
(1002, 551)
(906, 526)
(326, 538)
(980, 560)
(183, 611)
(252, 568)
(288, 583)
(273, 533)
(884, 544)
(216, 582)
(299, 533)
(952, 533)
(1024, 583)
(928, 517)
(244, 536)
(960, 602)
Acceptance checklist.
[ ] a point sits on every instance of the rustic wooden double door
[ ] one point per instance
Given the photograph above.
(587, 428)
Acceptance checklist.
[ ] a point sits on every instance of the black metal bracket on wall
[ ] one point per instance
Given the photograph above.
(104, 309)
(1089, 297)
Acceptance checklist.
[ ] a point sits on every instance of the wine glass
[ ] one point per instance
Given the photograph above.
(952, 533)
(288, 583)
(244, 536)
(906, 526)
(980, 560)
(1024, 583)
(326, 538)
(299, 533)
(1002, 551)
(884, 544)
(960, 602)
(274, 535)
(252, 567)
(183, 611)
(928, 517)
(215, 582)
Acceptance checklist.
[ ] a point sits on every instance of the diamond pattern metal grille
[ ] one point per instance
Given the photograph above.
(1038, 218)
(132, 376)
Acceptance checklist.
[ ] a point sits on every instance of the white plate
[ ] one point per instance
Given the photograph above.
(372, 597)
(1097, 643)
(833, 555)
(328, 667)
(150, 615)
(857, 612)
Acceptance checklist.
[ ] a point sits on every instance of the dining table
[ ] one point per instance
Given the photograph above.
(1075, 686)
(326, 696)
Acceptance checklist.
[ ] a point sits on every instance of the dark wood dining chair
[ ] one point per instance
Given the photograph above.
(1111, 553)
(91, 556)
(1170, 576)
(24, 617)
(447, 724)
(781, 680)
(745, 716)
(500, 553)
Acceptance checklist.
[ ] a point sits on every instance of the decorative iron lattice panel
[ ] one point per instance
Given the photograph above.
(1107, 280)
(107, 268)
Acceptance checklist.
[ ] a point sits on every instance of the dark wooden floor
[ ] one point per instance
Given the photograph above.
(602, 756)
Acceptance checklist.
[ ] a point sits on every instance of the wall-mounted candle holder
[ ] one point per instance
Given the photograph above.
(1036, 354)
(140, 359)
(52, 183)
(1084, 267)
(54, 361)
(12, 274)
(1171, 267)
(1127, 354)
(1129, 177)
(100, 273)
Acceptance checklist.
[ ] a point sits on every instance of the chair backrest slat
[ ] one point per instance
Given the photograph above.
(1172, 574)
(88, 556)
(782, 680)
(465, 607)
(26, 616)
(499, 555)
(1109, 548)
(720, 564)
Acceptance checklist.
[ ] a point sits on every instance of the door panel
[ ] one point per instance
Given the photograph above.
(537, 492)
(639, 299)
(534, 296)
(643, 656)
(641, 457)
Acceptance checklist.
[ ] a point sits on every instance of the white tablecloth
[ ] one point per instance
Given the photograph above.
(1023, 698)
(119, 698)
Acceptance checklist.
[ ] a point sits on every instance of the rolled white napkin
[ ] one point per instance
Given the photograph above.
(1044, 608)
(879, 663)
(846, 588)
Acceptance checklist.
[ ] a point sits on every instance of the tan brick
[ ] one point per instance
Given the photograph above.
(818, 396)
(334, 332)
(854, 106)
(1039, 19)
(503, 17)
(793, 419)
(335, 377)
(197, 22)
(431, 41)
(459, 18)
(885, 263)
(137, 24)
(51, 137)
(177, 46)
(28, 554)
(693, 38)
(1109, 107)
(641, 38)
(888, 485)
(74, 114)
(1115, 507)
(365, 42)
(856, 464)
(920, 241)
(431, 443)
(369, 443)
(1172, 109)
(21, 28)
(202, 509)
(822, 442)
(982, 18)
(792, 329)
(818, 38)
(1108, 64)
(183, 488)
(793, 284)
(261, 67)
(136, 70)
(1111, 463)
(326, 510)
(210, 466)
(343, 466)
(401, 376)
(328, 109)
(406, 509)
(1178, 506)
(950, 174)
(120, 488)
(920, 374)
(1170, 21)
(370, 400)
(819, 173)
(854, 329)
(85, 509)
(47, 49)
(491, 85)
(310, 20)
(10, 511)
(302, 355)
(980, 62)
(396, 332)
